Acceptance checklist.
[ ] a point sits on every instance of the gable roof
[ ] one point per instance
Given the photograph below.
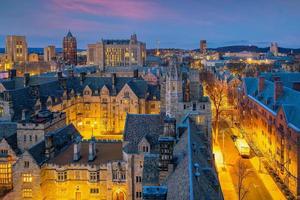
(138, 126)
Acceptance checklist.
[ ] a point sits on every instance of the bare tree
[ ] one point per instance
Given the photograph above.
(217, 94)
(242, 173)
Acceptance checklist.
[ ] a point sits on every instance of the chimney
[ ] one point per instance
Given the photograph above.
(278, 90)
(77, 147)
(82, 77)
(296, 86)
(12, 73)
(261, 83)
(92, 149)
(23, 115)
(135, 73)
(49, 149)
(26, 79)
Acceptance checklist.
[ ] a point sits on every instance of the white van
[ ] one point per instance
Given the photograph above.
(242, 147)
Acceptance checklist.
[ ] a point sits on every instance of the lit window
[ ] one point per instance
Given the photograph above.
(27, 178)
(94, 190)
(62, 176)
(5, 173)
(27, 193)
(94, 176)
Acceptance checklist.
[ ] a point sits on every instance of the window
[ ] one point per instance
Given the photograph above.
(30, 138)
(145, 149)
(24, 138)
(5, 173)
(138, 194)
(94, 190)
(4, 152)
(194, 106)
(26, 164)
(27, 193)
(62, 176)
(138, 179)
(94, 176)
(36, 138)
(27, 178)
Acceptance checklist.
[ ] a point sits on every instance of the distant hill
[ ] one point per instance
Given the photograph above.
(240, 48)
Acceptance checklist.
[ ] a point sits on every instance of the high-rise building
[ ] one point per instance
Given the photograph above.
(117, 52)
(203, 46)
(70, 49)
(49, 53)
(16, 48)
(274, 48)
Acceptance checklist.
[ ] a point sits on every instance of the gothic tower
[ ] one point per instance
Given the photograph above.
(173, 88)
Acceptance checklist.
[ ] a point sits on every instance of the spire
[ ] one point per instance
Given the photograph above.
(69, 34)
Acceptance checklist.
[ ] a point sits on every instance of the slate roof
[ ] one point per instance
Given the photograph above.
(138, 126)
(106, 151)
(151, 170)
(49, 86)
(289, 100)
(189, 152)
(287, 78)
(61, 138)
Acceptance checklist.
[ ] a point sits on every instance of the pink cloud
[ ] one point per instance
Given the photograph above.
(132, 9)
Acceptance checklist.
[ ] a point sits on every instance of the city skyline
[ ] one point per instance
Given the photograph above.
(220, 23)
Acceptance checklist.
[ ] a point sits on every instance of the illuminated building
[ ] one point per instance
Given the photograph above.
(203, 46)
(117, 52)
(70, 49)
(49, 53)
(95, 105)
(16, 48)
(274, 48)
(33, 57)
(269, 107)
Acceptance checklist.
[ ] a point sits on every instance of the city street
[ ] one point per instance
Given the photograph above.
(256, 188)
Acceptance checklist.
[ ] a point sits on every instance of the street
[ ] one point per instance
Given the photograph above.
(256, 188)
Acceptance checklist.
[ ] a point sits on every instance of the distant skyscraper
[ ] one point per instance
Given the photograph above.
(49, 53)
(203, 46)
(117, 52)
(70, 49)
(16, 48)
(274, 48)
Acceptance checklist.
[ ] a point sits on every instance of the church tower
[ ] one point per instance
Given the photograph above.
(173, 88)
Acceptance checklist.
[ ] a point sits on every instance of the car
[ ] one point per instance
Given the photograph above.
(233, 137)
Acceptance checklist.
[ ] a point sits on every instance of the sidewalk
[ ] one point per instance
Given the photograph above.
(269, 183)
(227, 186)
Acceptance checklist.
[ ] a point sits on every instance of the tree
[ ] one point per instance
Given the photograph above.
(242, 173)
(217, 94)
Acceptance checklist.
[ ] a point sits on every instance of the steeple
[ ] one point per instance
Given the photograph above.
(69, 34)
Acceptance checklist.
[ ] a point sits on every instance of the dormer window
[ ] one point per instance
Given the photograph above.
(145, 149)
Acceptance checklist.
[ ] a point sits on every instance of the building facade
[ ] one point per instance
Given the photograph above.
(269, 110)
(49, 53)
(95, 105)
(70, 49)
(203, 46)
(117, 52)
(16, 48)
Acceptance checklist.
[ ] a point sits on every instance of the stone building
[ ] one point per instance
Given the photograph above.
(95, 105)
(117, 52)
(70, 49)
(16, 48)
(49, 53)
(269, 112)
(170, 162)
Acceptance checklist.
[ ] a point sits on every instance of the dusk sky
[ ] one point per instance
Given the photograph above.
(175, 23)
